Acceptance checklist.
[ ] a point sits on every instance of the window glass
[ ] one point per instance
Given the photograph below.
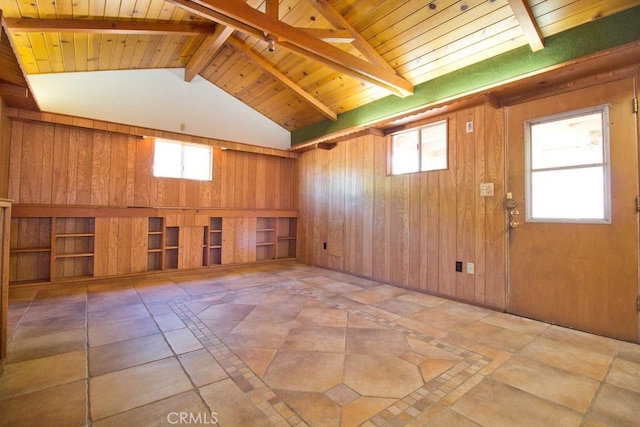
(434, 146)
(175, 159)
(420, 149)
(567, 142)
(404, 155)
(567, 168)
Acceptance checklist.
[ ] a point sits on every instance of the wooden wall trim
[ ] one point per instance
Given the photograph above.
(61, 119)
(61, 211)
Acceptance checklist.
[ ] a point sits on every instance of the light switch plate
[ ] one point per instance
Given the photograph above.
(486, 189)
(471, 268)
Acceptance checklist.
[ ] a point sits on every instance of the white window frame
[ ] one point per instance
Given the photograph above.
(419, 148)
(183, 167)
(606, 165)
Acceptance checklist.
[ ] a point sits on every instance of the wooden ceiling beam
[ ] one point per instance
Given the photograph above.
(527, 21)
(207, 50)
(272, 71)
(232, 13)
(215, 16)
(106, 26)
(272, 8)
(338, 21)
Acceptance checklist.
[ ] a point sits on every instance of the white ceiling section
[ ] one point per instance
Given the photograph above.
(157, 99)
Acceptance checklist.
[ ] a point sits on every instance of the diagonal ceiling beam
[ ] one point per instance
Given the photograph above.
(338, 21)
(208, 13)
(269, 69)
(232, 13)
(207, 50)
(272, 8)
(527, 21)
(106, 27)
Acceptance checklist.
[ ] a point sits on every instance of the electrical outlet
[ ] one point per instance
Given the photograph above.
(471, 269)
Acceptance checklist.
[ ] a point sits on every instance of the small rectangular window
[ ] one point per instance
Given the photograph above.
(420, 149)
(567, 177)
(175, 159)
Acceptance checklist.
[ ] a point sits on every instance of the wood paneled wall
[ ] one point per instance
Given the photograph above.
(409, 230)
(5, 144)
(60, 164)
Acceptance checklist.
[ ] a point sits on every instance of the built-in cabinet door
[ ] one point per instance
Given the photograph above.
(573, 233)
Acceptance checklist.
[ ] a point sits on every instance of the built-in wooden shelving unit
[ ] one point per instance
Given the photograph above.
(62, 243)
(72, 239)
(171, 248)
(154, 244)
(287, 235)
(213, 242)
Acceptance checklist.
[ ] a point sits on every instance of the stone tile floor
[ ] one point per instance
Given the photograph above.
(289, 344)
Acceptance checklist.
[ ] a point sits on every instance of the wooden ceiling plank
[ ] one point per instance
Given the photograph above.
(106, 27)
(338, 21)
(527, 22)
(341, 68)
(269, 69)
(207, 50)
(232, 13)
(329, 35)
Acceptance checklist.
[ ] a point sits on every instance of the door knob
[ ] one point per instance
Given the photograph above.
(514, 223)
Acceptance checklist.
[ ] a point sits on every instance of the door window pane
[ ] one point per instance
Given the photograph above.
(567, 142)
(567, 167)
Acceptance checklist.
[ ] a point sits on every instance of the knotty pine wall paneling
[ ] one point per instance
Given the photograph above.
(409, 230)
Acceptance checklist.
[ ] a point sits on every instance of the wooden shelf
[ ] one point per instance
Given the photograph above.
(75, 255)
(68, 235)
(212, 252)
(29, 250)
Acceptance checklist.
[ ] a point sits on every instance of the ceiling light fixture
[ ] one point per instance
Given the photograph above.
(272, 43)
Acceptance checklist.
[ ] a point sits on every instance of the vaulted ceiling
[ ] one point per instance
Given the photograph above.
(298, 62)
